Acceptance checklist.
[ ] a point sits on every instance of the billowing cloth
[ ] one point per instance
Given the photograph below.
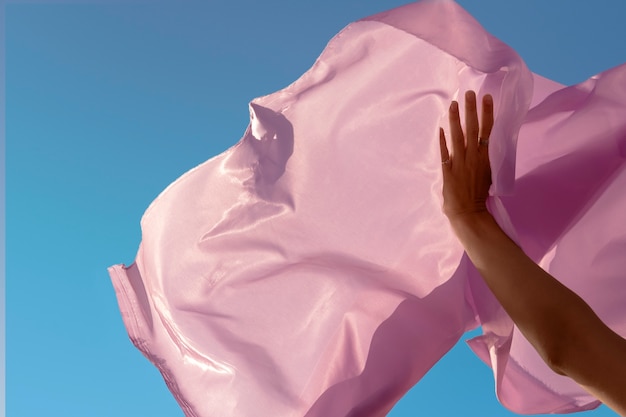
(309, 271)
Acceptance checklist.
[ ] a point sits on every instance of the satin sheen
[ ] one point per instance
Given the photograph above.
(309, 270)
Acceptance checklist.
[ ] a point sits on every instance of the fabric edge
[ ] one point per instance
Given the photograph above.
(126, 301)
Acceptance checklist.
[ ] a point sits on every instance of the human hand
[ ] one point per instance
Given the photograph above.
(466, 172)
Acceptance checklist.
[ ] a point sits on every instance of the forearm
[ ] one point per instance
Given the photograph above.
(547, 313)
(564, 330)
(568, 335)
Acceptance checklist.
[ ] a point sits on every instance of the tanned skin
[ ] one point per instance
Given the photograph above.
(565, 331)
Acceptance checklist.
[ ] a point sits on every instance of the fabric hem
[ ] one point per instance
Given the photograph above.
(126, 301)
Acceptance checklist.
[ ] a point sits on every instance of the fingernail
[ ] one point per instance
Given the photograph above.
(454, 106)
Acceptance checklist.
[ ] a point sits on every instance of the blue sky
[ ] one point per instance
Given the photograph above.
(108, 103)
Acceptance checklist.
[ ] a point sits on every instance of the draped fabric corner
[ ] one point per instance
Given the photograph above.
(309, 271)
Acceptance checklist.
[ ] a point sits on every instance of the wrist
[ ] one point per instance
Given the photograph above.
(471, 222)
(481, 237)
(474, 229)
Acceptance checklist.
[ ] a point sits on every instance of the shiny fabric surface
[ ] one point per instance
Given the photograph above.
(309, 271)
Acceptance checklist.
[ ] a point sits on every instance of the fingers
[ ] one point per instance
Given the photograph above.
(466, 145)
(471, 123)
(456, 131)
(486, 119)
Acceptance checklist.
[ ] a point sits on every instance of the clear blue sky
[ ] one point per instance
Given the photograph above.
(106, 104)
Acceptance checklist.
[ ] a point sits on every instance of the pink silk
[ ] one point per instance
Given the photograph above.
(309, 271)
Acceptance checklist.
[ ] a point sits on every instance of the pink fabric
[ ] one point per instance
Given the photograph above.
(309, 271)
